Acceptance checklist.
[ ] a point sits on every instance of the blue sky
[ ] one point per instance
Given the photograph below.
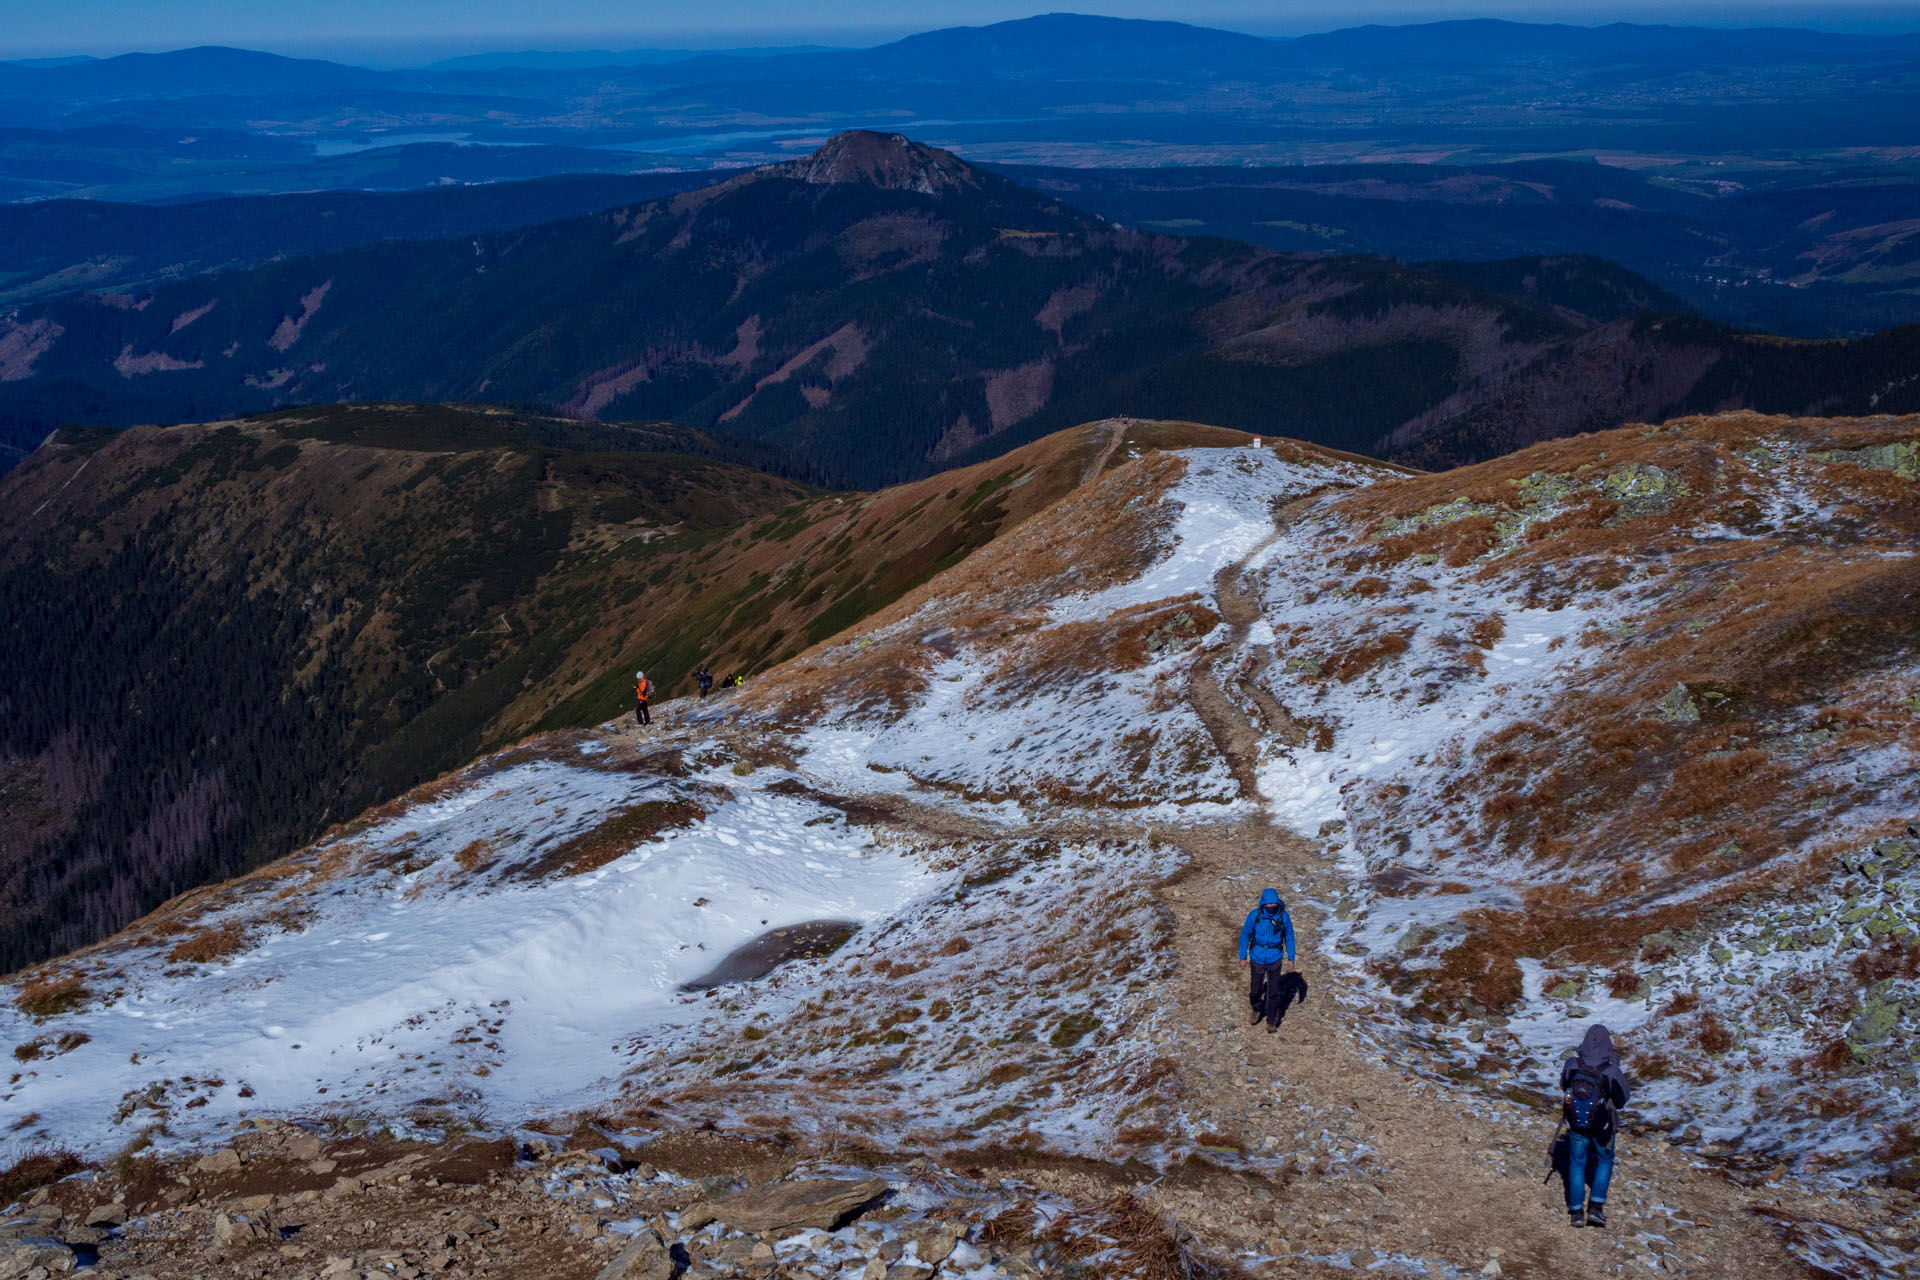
(393, 32)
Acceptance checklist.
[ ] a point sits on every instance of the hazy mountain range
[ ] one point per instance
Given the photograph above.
(880, 309)
(1058, 88)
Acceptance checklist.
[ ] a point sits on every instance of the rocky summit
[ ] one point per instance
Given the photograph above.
(1616, 728)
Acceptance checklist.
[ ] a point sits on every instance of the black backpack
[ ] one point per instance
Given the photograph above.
(1589, 1106)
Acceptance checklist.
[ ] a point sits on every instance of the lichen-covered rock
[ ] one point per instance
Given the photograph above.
(1438, 514)
(1902, 458)
(1678, 707)
(1642, 489)
(1875, 1024)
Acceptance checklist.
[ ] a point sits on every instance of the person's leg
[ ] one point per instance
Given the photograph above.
(639, 711)
(1276, 1002)
(1257, 979)
(1578, 1150)
(1602, 1175)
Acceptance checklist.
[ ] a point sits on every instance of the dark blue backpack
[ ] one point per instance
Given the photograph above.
(1588, 1109)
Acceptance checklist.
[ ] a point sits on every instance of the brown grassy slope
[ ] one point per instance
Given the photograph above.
(1771, 592)
(442, 581)
(772, 589)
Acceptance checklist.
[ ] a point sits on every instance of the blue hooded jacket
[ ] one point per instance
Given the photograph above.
(1261, 942)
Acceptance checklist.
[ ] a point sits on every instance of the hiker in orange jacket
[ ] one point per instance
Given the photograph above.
(642, 695)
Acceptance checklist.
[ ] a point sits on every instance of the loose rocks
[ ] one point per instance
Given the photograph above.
(797, 1206)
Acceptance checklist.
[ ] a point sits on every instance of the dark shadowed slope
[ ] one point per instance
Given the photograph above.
(223, 637)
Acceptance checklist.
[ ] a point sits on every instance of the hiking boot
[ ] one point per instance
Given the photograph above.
(1596, 1215)
(1577, 1218)
(1272, 1027)
(1257, 1015)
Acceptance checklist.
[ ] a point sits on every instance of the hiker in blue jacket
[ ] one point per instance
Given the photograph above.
(1265, 938)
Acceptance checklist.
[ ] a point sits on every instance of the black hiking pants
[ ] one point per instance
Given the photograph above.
(1273, 989)
(640, 715)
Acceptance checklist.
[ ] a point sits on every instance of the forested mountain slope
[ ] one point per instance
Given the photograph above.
(881, 309)
(224, 637)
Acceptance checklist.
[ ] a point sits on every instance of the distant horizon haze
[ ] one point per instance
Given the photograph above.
(369, 33)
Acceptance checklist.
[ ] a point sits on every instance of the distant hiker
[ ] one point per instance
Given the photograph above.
(704, 678)
(1593, 1089)
(1265, 940)
(642, 695)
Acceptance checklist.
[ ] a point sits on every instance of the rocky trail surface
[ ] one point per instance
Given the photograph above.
(1387, 1164)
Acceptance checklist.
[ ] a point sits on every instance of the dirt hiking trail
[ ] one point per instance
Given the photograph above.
(1383, 1165)
(1386, 1162)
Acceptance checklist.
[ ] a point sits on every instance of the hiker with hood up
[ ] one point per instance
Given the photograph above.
(1593, 1089)
(1265, 939)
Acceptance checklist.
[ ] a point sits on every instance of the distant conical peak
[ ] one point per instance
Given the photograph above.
(887, 160)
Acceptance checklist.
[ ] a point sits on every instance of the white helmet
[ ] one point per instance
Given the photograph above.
(639, 675)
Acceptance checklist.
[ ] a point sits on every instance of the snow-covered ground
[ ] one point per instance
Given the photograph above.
(998, 989)
(407, 982)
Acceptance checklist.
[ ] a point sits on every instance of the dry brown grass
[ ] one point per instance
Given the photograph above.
(1127, 641)
(37, 1169)
(1888, 957)
(613, 838)
(50, 1046)
(209, 945)
(1713, 1035)
(474, 856)
(1148, 1244)
(1706, 785)
(1363, 658)
(1683, 1002)
(52, 995)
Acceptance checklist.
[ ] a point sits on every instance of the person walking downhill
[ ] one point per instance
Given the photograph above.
(1593, 1089)
(642, 695)
(704, 678)
(1266, 939)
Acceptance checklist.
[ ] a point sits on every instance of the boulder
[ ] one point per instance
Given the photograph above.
(40, 1220)
(225, 1160)
(229, 1230)
(646, 1258)
(107, 1215)
(21, 1258)
(934, 1243)
(786, 1207)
